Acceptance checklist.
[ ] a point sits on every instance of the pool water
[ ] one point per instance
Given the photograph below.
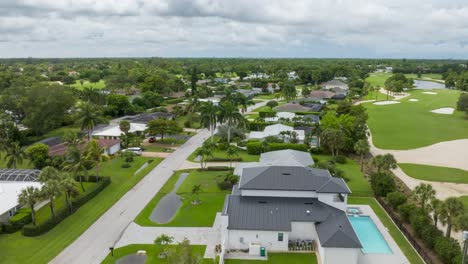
(371, 239)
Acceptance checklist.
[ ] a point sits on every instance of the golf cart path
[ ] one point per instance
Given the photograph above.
(445, 154)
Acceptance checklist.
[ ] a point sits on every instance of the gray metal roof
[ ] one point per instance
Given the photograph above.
(286, 157)
(277, 213)
(291, 178)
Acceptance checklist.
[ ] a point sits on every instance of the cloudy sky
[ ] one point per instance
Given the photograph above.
(234, 28)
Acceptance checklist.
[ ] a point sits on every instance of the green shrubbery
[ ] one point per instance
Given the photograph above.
(20, 219)
(382, 183)
(258, 147)
(396, 199)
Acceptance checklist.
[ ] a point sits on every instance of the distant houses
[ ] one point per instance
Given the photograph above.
(334, 84)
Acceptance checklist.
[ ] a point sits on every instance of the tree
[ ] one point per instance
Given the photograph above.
(89, 116)
(451, 209)
(118, 105)
(436, 209)
(384, 163)
(462, 104)
(272, 104)
(209, 117)
(71, 139)
(242, 101)
(305, 91)
(204, 152)
(38, 154)
(70, 188)
(76, 163)
(14, 155)
(361, 148)
(51, 190)
(29, 197)
(232, 152)
(183, 254)
(289, 90)
(332, 139)
(163, 127)
(230, 115)
(47, 174)
(196, 189)
(461, 222)
(382, 184)
(462, 81)
(124, 126)
(397, 82)
(194, 80)
(162, 241)
(423, 193)
(96, 154)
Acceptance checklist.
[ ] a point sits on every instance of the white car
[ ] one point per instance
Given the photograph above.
(136, 151)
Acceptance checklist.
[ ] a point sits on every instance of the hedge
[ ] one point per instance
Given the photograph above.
(216, 168)
(217, 159)
(20, 219)
(264, 114)
(31, 230)
(281, 146)
(254, 148)
(174, 101)
(258, 126)
(308, 113)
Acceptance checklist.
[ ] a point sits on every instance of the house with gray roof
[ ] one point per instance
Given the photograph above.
(278, 205)
(335, 83)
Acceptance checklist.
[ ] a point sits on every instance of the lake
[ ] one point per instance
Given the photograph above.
(428, 85)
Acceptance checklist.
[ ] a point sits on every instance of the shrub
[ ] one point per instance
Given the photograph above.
(281, 146)
(254, 147)
(217, 168)
(125, 165)
(331, 167)
(264, 114)
(429, 233)
(382, 184)
(418, 220)
(223, 146)
(217, 159)
(228, 182)
(20, 219)
(174, 101)
(188, 124)
(396, 199)
(39, 155)
(258, 126)
(406, 210)
(448, 249)
(340, 159)
(272, 139)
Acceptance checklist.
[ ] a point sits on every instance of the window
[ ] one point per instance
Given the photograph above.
(280, 236)
(339, 197)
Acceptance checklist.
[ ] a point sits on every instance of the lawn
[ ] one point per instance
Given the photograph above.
(266, 96)
(222, 155)
(19, 249)
(434, 173)
(87, 84)
(357, 183)
(464, 200)
(410, 125)
(396, 234)
(152, 252)
(190, 215)
(378, 79)
(280, 258)
(182, 119)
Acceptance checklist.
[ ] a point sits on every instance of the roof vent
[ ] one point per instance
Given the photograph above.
(262, 202)
(285, 173)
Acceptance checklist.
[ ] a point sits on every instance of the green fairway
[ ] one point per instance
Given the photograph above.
(280, 258)
(434, 173)
(357, 183)
(152, 252)
(464, 200)
(87, 84)
(410, 125)
(16, 248)
(188, 214)
(396, 234)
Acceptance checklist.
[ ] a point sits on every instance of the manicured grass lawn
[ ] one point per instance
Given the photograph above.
(357, 183)
(464, 199)
(378, 79)
(190, 215)
(157, 148)
(434, 173)
(410, 125)
(396, 234)
(152, 252)
(266, 96)
(222, 154)
(280, 258)
(181, 120)
(16, 248)
(99, 85)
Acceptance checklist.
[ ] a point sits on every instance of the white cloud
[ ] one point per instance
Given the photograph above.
(308, 28)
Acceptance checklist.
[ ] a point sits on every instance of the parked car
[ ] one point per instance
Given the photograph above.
(136, 151)
(151, 140)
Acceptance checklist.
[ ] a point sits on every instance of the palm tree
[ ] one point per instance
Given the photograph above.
(384, 163)
(162, 241)
(196, 189)
(71, 139)
(89, 116)
(231, 116)
(29, 197)
(209, 117)
(124, 126)
(48, 173)
(204, 152)
(232, 152)
(50, 190)
(193, 104)
(243, 101)
(362, 148)
(76, 163)
(14, 155)
(436, 209)
(70, 187)
(451, 209)
(424, 193)
(96, 154)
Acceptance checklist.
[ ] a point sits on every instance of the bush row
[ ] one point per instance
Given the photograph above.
(20, 219)
(257, 147)
(264, 114)
(216, 168)
(31, 230)
(217, 159)
(174, 101)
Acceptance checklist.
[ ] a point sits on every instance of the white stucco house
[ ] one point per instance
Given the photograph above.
(333, 84)
(275, 130)
(277, 206)
(284, 115)
(114, 132)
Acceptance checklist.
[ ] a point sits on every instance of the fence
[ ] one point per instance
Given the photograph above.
(414, 242)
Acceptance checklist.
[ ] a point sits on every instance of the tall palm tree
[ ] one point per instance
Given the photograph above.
(362, 148)
(124, 126)
(436, 209)
(89, 116)
(76, 163)
(71, 139)
(229, 114)
(50, 190)
(451, 209)
(243, 101)
(96, 154)
(14, 155)
(209, 117)
(193, 104)
(70, 187)
(29, 197)
(423, 193)
(232, 152)
(48, 173)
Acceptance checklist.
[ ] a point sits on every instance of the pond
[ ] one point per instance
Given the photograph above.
(428, 85)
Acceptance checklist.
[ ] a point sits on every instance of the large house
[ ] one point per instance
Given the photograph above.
(276, 206)
(333, 84)
(276, 131)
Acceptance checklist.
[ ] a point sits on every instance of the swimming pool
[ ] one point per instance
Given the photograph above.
(371, 239)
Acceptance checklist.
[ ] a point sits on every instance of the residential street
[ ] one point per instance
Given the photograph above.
(93, 245)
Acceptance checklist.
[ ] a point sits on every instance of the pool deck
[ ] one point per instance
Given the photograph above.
(396, 258)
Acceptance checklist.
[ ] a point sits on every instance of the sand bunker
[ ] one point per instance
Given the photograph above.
(386, 102)
(413, 100)
(444, 111)
(429, 93)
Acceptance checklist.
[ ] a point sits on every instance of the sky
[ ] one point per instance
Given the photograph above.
(234, 28)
